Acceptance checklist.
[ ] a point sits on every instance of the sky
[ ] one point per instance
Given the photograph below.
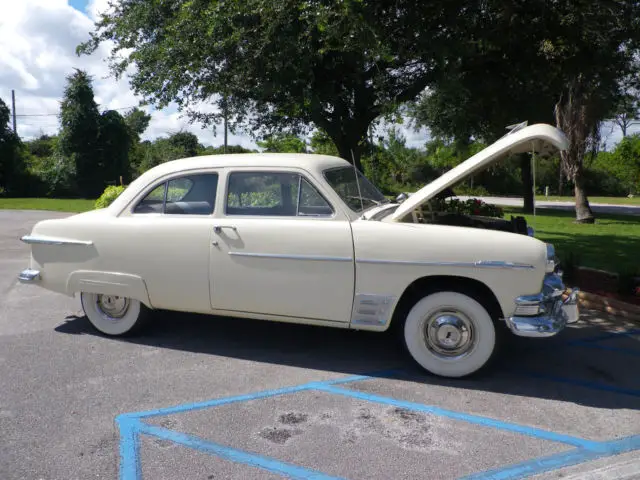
(37, 51)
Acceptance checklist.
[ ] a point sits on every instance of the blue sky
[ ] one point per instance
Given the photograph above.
(80, 5)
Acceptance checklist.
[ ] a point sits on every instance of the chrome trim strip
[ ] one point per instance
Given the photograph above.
(477, 264)
(291, 257)
(31, 239)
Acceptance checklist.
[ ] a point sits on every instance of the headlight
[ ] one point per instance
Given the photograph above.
(551, 258)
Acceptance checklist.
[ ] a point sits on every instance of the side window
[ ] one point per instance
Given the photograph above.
(273, 194)
(189, 195)
(153, 202)
(310, 202)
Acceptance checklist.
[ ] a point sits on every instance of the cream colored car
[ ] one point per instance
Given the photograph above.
(306, 239)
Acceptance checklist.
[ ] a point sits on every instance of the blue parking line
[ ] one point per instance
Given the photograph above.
(557, 461)
(475, 419)
(244, 398)
(130, 466)
(625, 351)
(131, 426)
(598, 338)
(239, 456)
(581, 383)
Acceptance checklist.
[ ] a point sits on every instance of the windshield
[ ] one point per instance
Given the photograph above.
(343, 181)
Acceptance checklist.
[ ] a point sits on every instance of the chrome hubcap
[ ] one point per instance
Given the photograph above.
(113, 307)
(449, 334)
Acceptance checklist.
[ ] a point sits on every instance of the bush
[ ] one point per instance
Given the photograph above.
(109, 195)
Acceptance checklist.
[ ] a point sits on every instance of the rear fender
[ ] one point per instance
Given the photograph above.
(109, 283)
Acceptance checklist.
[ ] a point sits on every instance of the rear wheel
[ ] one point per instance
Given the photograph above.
(449, 334)
(114, 315)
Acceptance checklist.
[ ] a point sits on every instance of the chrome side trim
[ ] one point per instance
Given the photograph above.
(477, 264)
(372, 309)
(28, 275)
(41, 240)
(282, 256)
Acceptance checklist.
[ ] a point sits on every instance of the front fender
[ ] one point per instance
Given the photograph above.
(391, 256)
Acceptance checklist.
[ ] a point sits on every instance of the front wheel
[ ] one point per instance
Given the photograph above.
(113, 315)
(449, 334)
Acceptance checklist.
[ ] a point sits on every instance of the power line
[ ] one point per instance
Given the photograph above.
(56, 114)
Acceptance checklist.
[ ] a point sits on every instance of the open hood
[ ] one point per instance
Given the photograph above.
(540, 138)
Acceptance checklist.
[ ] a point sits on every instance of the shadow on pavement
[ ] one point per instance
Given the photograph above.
(600, 372)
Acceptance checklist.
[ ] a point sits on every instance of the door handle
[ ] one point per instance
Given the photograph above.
(218, 228)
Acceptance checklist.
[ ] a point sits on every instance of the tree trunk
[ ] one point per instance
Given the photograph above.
(527, 182)
(583, 210)
(350, 151)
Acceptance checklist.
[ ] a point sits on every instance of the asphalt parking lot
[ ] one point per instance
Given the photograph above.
(215, 398)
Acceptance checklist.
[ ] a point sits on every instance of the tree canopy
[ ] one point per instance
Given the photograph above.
(555, 62)
(286, 65)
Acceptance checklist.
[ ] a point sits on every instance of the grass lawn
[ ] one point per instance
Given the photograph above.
(58, 205)
(611, 200)
(612, 243)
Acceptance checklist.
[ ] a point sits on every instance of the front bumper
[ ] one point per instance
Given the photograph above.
(29, 276)
(545, 314)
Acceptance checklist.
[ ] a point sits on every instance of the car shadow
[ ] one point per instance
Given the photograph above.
(588, 364)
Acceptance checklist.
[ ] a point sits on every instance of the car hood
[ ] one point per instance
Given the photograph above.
(542, 138)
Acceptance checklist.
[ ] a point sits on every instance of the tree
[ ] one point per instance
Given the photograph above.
(115, 140)
(560, 62)
(627, 112)
(137, 121)
(80, 120)
(284, 66)
(187, 142)
(11, 155)
(283, 143)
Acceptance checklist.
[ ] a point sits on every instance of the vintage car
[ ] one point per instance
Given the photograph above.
(308, 239)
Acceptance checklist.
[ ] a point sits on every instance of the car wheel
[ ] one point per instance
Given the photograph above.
(113, 315)
(449, 334)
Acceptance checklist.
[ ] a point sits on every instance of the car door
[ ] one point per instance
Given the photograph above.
(165, 238)
(280, 248)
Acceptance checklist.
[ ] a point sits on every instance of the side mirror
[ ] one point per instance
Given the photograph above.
(402, 197)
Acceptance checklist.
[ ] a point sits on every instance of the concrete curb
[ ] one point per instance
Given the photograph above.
(610, 306)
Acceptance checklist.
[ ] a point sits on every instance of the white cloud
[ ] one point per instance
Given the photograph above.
(37, 52)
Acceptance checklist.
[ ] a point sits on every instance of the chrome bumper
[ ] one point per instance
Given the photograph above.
(29, 276)
(545, 314)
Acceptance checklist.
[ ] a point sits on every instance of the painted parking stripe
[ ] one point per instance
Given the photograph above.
(244, 398)
(625, 351)
(239, 456)
(582, 383)
(475, 419)
(540, 465)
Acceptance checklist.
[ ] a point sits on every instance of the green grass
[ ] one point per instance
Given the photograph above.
(611, 244)
(611, 200)
(55, 204)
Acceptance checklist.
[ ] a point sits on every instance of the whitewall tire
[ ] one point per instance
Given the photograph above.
(449, 334)
(113, 315)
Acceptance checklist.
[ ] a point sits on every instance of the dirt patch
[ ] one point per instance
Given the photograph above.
(292, 418)
(279, 435)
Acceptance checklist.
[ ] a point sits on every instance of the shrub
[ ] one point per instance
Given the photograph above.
(109, 195)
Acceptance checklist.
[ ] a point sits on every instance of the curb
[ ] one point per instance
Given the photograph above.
(610, 306)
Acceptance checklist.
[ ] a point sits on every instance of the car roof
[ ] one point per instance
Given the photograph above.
(308, 161)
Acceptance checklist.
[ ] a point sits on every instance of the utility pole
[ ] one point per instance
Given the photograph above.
(13, 109)
(225, 124)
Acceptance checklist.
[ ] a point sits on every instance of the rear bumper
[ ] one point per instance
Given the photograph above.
(545, 314)
(29, 276)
